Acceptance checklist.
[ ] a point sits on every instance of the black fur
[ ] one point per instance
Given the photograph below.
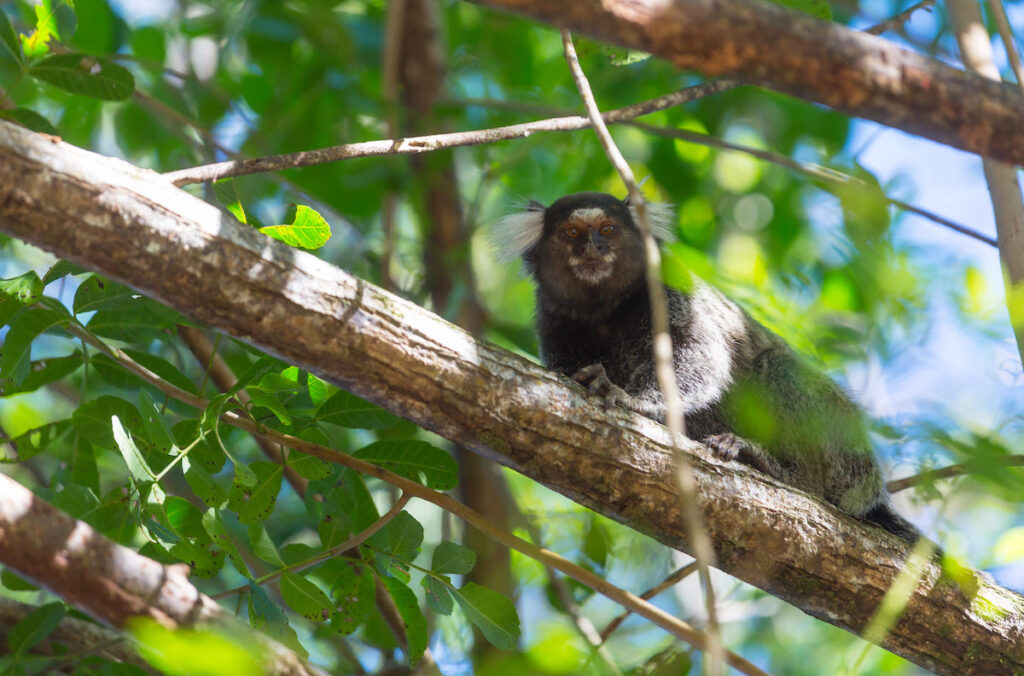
(744, 392)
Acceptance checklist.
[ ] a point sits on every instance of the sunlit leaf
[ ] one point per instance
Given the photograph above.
(308, 230)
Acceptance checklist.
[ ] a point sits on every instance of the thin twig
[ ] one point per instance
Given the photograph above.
(809, 169)
(351, 543)
(663, 362)
(669, 581)
(970, 467)
(423, 144)
(1006, 35)
(671, 624)
(900, 19)
(583, 623)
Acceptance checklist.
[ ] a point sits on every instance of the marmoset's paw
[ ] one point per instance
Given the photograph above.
(727, 446)
(600, 387)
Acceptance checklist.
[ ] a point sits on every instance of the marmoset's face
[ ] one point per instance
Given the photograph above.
(590, 247)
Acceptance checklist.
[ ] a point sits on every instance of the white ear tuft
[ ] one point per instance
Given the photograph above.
(660, 219)
(517, 233)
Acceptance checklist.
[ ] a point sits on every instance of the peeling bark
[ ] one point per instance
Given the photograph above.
(766, 44)
(135, 227)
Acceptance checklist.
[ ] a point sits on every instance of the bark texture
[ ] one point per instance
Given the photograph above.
(137, 228)
(110, 582)
(766, 44)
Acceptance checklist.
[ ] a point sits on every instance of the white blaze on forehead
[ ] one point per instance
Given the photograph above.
(588, 215)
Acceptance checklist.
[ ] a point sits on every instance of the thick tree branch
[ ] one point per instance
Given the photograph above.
(110, 582)
(766, 44)
(135, 227)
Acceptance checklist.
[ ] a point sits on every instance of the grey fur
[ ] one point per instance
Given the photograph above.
(744, 392)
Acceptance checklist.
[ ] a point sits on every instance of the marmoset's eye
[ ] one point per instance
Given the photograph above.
(571, 232)
(607, 230)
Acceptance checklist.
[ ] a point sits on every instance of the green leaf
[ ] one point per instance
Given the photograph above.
(10, 46)
(163, 368)
(254, 503)
(352, 592)
(60, 269)
(99, 293)
(308, 230)
(203, 484)
(37, 43)
(34, 441)
(17, 345)
(818, 8)
(491, 612)
(333, 529)
(135, 323)
(271, 403)
(412, 617)
(402, 536)
(226, 193)
(155, 426)
(35, 626)
(15, 583)
(263, 546)
(452, 559)
(17, 292)
(309, 466)
(348, 410)
(414, 459)
(343, 497)
(266, 615)
(92, 419)
(305, 598)
(86, 75)
(45, 371)
(29, 119)
(438, 598)
(137, 466)
(218, 532)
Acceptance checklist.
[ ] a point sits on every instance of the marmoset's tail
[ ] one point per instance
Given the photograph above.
(886, 517)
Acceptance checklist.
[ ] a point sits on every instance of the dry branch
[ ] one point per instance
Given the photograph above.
(766, 44)
(135, 227)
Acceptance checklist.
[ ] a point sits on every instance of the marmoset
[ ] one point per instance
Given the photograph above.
(745, 393)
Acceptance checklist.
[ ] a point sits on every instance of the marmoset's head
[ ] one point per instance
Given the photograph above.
(585, 247)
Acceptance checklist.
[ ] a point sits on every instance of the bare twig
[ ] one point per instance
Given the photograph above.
(971, 467)
(583, 623)
(669, 581)
(663, 363)
(809, 169)
(1007, 204)
(900, 19)
(423, 144)
(1006, 35)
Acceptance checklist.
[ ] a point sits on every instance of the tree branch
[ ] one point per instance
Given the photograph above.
(763, 43)
(110, 582)
(135, 227)
(424, 144)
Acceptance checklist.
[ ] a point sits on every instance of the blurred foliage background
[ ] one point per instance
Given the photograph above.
(908, 315)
